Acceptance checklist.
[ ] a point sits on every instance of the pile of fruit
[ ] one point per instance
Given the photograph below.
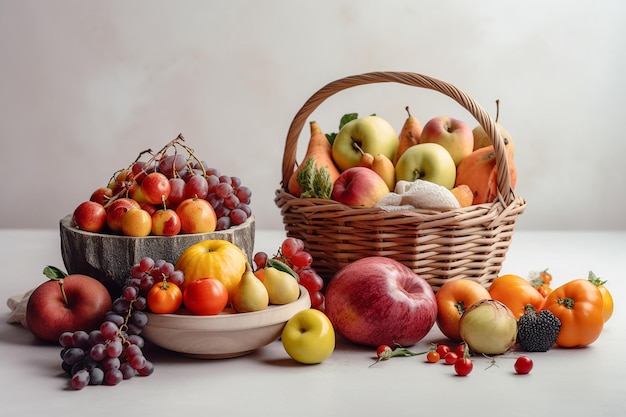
(366, 160)
(166, 193)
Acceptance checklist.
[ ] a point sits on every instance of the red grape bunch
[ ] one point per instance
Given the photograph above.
(113, 353)
(294, 255)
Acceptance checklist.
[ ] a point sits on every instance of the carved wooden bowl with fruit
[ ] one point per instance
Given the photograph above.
(226, 335)
(160, 204)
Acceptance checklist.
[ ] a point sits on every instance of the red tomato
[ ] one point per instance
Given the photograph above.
(164, 297)
(205, 296)
(463, 366)
(523, 365)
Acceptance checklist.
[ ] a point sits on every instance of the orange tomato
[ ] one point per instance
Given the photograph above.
(452, 299)
(579, 306)
(164, 297)
(607, 298)
(516, 293)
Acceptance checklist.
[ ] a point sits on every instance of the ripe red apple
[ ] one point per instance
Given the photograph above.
(359, 187)
(377, 300)
(101, 195)
(196, 216)
(155, 188)
(116, 212)
(73, 302)
(90, 216)
(453, 134)
(165, 222)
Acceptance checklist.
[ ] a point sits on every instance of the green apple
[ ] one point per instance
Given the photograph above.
(429, 162)
(453, 134)
(370, 134)
(309, 337)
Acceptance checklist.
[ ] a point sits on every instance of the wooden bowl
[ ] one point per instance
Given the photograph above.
(226, 335)
(109, 257)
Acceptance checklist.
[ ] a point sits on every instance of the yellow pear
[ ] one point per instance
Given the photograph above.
(409, 134)
(367, 159)
(250, 294)
(282, 287)
(383, 166)
(481, 139)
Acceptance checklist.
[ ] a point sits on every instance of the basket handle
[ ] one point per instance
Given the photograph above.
(412, 79)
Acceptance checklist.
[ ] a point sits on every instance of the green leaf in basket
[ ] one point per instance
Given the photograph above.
(345, 119)
(281, 266)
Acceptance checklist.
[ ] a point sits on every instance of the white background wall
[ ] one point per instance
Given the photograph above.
(86, 85)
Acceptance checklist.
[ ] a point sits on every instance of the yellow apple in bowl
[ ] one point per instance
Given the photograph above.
(359, 187)
(429, 162)
(453, 134)
(369, 134)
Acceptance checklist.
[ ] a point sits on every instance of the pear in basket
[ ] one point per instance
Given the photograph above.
(409, 134)
(320, 150)
(478, 171)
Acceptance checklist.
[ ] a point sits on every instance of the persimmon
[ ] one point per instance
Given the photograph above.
(579, 306)
(452, 299)
(516, 293)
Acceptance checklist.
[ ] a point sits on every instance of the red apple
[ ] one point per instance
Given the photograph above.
(196, 216)
(377, 300)
(49, 313)
(101, 195)
(90, 216)
(116, 212)
(453, 134)
(359, 187)
(155, 187)
(165, 222)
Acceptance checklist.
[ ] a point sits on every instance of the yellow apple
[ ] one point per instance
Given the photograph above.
(429, 162)
(309, 336)
(453, 134)
(370, 134)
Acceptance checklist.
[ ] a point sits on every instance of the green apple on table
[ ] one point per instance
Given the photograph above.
(429, 162)
(309, 336)
(370, 134)
(453, 134)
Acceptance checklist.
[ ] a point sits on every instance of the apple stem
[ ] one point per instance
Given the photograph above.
(358, 147)
(497, 109)
(56, 274)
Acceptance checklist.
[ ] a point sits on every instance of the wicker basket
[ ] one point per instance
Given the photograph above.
(469, 242)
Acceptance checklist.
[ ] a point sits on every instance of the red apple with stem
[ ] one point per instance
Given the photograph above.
(165, 222)
(101, 195)
(379, 301)
(66, 303)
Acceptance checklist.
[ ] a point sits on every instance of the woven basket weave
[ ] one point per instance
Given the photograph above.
(469, 242)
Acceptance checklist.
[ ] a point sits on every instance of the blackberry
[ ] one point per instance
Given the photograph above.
(537, 332)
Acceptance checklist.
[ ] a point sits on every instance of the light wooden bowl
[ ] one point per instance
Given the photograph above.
(109, 257)
(226, 335)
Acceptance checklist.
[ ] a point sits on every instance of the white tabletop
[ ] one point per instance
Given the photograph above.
(564, 382)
